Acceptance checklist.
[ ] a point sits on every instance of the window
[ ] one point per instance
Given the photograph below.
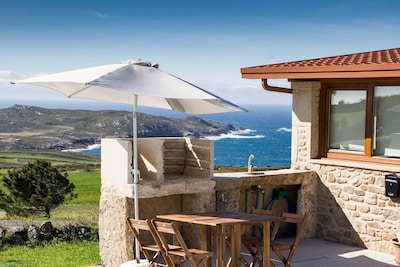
(347, 120)
(386, 121)
(364, 122)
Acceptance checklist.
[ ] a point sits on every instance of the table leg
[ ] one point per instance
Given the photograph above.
(267, 243)
(205, 241)
(218, 249)
(236, 245)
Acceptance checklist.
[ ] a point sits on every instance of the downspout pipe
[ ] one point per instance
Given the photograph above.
(264, 83)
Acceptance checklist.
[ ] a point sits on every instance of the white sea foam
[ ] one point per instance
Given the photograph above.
(244, 131)
(89, 148)
(284, 129)
(240, 134)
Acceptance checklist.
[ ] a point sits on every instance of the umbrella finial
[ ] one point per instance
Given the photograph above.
(140, 62)
(137, 62)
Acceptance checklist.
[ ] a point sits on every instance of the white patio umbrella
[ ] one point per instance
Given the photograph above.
(138, 83)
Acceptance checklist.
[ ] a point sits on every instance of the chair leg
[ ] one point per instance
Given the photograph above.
(254, 252)
(282, 257)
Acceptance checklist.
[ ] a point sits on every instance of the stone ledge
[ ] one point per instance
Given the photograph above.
(154, 189)
(150, 189)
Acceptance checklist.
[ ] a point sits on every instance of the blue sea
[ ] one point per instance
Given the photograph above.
(266, 135)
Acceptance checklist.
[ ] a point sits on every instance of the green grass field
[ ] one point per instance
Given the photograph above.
(79, 254)
(84, 209)
(18, 158)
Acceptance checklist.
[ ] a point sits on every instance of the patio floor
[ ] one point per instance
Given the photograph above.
(315, 252)
(318, 252)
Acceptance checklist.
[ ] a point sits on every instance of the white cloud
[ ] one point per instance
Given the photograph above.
(251, 92)
(22, 91)
(7, 76)
(97, 14)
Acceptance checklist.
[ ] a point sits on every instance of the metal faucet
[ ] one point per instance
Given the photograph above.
(249, 166)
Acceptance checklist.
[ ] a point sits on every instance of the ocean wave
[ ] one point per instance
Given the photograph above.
(87, 149)
(244, 131)
(285, 130)
(240, 134)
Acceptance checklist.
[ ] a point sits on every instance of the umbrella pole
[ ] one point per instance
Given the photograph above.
(135, 173)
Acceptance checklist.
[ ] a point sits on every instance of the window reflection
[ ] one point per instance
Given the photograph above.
(386, 130)
(347, 120)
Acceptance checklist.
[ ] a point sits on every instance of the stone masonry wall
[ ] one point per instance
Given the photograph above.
(352, 206)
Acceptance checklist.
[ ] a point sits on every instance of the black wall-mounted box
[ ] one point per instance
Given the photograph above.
(392, 185)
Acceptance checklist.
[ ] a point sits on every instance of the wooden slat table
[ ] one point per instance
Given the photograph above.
(222, 220)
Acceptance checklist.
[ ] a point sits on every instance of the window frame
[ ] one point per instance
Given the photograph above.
(327, 86)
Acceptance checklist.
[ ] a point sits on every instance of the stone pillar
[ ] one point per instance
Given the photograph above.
(116, 203)
(115, 238)
(305, 121)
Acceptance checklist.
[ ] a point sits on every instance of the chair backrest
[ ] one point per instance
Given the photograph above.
(168, 234)
(260, 211)
(256, 230)
(291, 218)
(149, 249)
(137, 225)
(176, 250)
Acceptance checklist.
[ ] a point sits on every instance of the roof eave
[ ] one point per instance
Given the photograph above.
(318, 68)
(304, 74)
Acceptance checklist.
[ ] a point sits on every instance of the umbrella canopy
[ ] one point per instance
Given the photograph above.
(136, 83)
(121, 82)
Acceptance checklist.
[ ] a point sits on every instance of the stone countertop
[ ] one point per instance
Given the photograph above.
(231, 175)
(231, 180)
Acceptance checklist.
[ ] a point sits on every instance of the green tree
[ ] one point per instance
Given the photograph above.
(35, 189)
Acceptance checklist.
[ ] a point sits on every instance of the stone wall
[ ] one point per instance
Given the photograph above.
(352, 206)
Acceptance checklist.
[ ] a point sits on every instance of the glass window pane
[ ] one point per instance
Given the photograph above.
(347, 120)
(386, 125)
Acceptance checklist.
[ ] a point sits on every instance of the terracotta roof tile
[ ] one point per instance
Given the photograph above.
(358, 65)
(374, 57)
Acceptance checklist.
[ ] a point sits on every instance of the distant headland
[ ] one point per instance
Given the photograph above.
(31, 127)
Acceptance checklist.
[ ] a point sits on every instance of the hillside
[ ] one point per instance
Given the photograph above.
(28, 127)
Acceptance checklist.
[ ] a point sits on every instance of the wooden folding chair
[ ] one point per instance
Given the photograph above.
(254, 244)
(277, 246)
(168, 233)
(151, 252)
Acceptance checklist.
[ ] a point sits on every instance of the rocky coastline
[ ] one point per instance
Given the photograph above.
(36, 128)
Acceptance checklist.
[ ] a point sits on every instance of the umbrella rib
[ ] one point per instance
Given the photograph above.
(175, 105)
(78, 91)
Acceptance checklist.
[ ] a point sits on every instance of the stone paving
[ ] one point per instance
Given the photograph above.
(318, 252)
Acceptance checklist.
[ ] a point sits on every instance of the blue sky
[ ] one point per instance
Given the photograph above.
(202, 41)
